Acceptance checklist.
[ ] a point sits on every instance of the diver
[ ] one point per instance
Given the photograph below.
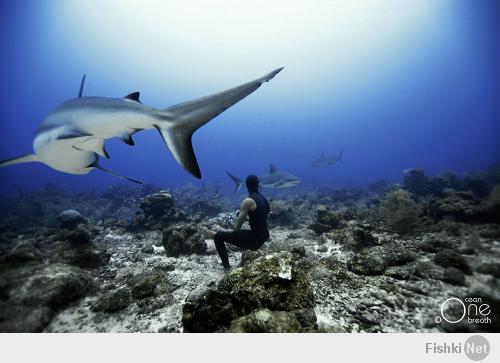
(256, 207)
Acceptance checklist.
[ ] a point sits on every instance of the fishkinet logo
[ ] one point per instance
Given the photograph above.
(476, 348)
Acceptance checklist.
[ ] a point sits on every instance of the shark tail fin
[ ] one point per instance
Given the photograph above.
(236, 180)
(96, 165)
(29, 158)
(177, 123)
(340, 155)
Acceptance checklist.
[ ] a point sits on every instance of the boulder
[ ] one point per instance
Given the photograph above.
(362, 237)
(35, 292)
(183, 239)
(113, 302)
(367, 263)
(209, 208)
(326, 220)
(159, 211)
(273, 282)
(80, 234)
(466, 207)
(87, 255)
(281, 214)
(24, 251)
(396, 255)
(70, 218)
(450, 258)
(428, 270)
(266, 321)
(490, 268)
(454, 276)
(149, 283)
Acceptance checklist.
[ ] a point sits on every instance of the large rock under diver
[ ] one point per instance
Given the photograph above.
(272, 282)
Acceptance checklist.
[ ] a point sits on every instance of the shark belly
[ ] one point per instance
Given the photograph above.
(75, 154)
(62, 156)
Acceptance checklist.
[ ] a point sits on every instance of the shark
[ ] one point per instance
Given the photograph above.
(276, 179)
(325, 161)
(72, 137)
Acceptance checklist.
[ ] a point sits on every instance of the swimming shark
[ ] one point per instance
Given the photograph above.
(72, 137)
(274, 179)
(325, 161)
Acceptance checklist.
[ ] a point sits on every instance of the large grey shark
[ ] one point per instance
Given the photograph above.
(325, 161)
(73, 135)
(276, 179)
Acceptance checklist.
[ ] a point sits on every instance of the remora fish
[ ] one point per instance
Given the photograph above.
(274, 179)
(325, 161)
(73, 136)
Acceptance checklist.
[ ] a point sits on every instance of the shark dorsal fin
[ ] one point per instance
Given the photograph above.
(133, 97)
(82, 83)
(272, 168)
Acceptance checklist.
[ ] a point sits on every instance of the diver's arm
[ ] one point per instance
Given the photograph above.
(246, 205)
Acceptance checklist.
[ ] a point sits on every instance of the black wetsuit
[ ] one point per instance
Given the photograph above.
(251, 239)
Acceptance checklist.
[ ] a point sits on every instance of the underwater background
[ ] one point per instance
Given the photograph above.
(395, 84)
(397, 235)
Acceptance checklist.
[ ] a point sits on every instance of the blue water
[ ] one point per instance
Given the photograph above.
(396, 84)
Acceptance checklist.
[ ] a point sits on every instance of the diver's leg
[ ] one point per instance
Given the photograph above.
(245, 239)
(221, 247)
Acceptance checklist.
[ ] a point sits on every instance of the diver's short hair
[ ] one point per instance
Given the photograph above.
(252, 183)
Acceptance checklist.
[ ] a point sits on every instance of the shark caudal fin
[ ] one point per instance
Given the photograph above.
(236, 180)
(182, 120)
(29, 158)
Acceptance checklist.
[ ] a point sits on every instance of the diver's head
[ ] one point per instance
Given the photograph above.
(252, 183)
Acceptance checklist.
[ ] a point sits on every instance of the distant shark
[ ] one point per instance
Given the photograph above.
(274, 179)
(325, 161)
(73, 136)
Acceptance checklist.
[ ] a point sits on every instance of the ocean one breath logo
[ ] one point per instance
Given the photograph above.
(475, 348)
(470, 309)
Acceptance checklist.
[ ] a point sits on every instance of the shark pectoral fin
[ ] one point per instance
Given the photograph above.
(178, 140)
(29, 158)
(96, 165)
(72, 134)
(94, 144)
(236, 180)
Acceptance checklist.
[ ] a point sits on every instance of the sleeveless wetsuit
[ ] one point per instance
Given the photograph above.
(251, 239)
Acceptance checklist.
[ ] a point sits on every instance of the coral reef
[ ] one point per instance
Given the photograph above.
(139, 259)
(400, 211)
